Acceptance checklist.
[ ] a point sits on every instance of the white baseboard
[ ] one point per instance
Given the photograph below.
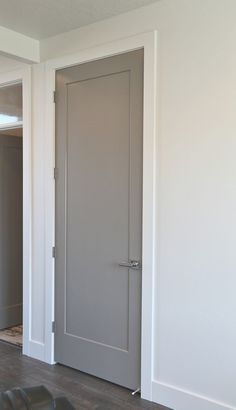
(36, 350)
(177, 399)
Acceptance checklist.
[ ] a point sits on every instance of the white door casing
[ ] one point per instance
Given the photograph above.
(24, 75)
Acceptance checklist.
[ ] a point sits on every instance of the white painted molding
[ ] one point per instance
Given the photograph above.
(178, 399)
(24, 75)
(147, 41)
(27, 208)
(18, 46)
(36, 350)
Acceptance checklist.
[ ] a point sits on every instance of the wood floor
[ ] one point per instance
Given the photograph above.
(85, 392)
(12, 335)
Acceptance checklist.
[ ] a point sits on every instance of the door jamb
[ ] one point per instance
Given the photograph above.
(147, 41)
(23, 75)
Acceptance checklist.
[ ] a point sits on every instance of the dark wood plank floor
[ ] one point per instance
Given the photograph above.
(84, 391)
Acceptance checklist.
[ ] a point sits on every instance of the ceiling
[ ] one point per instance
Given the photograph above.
(45, 18)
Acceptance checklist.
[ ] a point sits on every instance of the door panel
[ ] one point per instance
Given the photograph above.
(10, 231)
(98, 217)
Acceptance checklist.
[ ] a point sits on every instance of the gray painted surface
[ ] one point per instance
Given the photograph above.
(98, 217)
(10, 231)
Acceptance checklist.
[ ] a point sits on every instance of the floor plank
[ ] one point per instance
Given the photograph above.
(84, 391)
(12, 335)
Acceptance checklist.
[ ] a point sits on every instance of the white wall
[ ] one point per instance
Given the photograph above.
(195, 303)
(9, 64)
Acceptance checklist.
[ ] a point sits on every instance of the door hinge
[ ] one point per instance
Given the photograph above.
(54, 327)
(55, 173)
(54, 252)
(54, 96)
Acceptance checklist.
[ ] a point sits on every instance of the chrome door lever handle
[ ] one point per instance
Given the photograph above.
(131, 264)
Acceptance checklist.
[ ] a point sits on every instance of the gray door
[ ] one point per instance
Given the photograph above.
(98, 217)
(10, 231)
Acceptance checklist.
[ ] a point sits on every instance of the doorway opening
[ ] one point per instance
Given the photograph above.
(11, 213)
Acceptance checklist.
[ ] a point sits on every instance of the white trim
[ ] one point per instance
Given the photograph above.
(179, 399)
(36, 350)
(148, 41)
(19, 46)
(24, 75)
